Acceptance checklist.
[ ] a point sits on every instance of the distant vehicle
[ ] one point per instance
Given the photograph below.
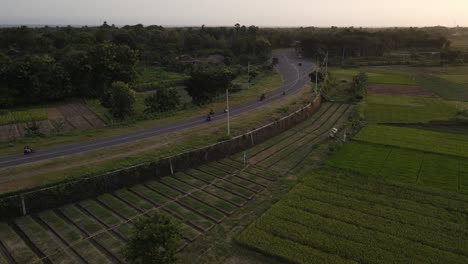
(333, 132)
(208, 118)
(262, 97)
(299, 64)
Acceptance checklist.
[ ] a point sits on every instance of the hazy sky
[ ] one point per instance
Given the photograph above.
(375, 13)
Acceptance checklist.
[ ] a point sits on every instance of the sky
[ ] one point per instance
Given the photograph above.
(271, 13)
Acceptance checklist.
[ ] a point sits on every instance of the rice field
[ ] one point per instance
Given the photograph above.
(407, 109)
(334, 216)
(422, 140)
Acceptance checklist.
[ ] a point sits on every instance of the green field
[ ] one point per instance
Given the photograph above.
(333, 216)
(21, 115)
(403, 165)
(407, 109)
(377, 75)
(450, 85)
(422, 140)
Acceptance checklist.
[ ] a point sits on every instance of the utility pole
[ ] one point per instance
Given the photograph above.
(316, 80)
(228, 112)
(248, 75)
(326, 63)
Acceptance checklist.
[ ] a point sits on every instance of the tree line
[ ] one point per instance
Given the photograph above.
(54, 63)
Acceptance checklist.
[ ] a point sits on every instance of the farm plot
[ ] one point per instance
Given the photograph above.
(336, 216)
(423, 140)
(286, 151)
(398, 90)
(377, 75)
(402, 165)
(95, 230)
(407, 109)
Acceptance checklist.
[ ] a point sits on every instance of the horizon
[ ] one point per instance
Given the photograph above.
(262, 13)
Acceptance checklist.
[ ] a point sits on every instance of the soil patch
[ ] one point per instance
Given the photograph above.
(400, 90)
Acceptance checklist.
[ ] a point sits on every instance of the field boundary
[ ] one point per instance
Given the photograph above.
(31, 201)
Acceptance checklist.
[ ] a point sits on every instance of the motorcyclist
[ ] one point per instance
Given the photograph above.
(284, 92)
(262, 97)
(208, 118)
(27, 150)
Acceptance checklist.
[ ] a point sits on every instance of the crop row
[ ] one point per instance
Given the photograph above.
(324, 217)
(95, 230)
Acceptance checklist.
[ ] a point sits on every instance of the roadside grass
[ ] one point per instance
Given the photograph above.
(266, 84)
(407, 109)
(377, 75)
(125, 155)
(22, 115)
(341, 217)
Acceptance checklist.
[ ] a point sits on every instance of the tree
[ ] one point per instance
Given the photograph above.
(358, 85)
(111, 63)
(154, 240)
(120, 99)
(38, 78)
(162, 101)
(207, 82)
(316, 76)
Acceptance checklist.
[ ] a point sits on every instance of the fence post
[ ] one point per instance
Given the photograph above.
(172, 169)
(23, 204)
(251, 139)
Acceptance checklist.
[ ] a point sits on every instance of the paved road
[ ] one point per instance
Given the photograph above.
(294, 78)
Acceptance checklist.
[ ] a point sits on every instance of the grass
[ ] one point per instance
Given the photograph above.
(423, 140)
(336, 216)
(148, 74)
(407, 109)
(22, 115)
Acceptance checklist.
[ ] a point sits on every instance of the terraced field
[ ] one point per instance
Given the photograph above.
(95, 230)
(334, 216)
(287, 151)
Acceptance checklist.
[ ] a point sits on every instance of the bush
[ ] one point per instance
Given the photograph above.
(162, 101)
(120, 99)
(154, 240)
